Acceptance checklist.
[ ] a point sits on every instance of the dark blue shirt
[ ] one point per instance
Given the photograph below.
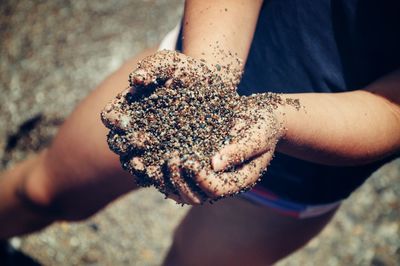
(320, 46)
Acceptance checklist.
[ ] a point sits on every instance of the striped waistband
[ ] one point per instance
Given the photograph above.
(262, 196)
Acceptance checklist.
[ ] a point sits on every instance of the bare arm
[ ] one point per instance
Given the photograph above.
(211, 25)
(349, 128)
(341, 129)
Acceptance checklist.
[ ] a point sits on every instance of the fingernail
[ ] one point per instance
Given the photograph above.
(110, 118)
(138, 80)
(218, 162)
(108, 108)
(137, 164)
(168, 83)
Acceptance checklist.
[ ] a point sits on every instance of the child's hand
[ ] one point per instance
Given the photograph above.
(162, 69)
(237, 166)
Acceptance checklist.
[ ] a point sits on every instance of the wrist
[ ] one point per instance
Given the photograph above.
(285, 113)
(281, 120)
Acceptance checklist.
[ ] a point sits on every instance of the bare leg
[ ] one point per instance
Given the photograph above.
(236, 232)
(77, 176)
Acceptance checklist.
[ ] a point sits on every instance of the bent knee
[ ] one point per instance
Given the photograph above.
(39, 194)
(44, 202)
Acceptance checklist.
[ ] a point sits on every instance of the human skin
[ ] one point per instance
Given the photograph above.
(143, 79)
(351, 128)
(209, 26)
(48, 181)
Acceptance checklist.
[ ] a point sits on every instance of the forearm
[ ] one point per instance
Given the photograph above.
(212, 26)
(349, 128)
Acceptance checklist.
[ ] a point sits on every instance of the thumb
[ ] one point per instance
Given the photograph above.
(256, 140)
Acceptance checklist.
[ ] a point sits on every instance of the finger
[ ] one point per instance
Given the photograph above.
(115, 119)
(112, 111)
(146, 175)
(256, 140)
(176, 198)
(229, 183)
(164, 65)
(141, 77)
(138, 170)
(143, 83)
(155, 174)
(153, 68)
(137, 164)
(169, 83)
(176, 177)
(130, 143)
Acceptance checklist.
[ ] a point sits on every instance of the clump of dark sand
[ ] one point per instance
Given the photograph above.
(178, 107)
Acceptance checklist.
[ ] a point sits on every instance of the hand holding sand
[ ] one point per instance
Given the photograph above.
(176, 115)
(157, 116)
(238, 165)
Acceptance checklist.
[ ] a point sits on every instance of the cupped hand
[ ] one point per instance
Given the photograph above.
(162, 69)
(238, 166)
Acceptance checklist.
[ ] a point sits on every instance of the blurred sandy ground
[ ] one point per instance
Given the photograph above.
(53, 53)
